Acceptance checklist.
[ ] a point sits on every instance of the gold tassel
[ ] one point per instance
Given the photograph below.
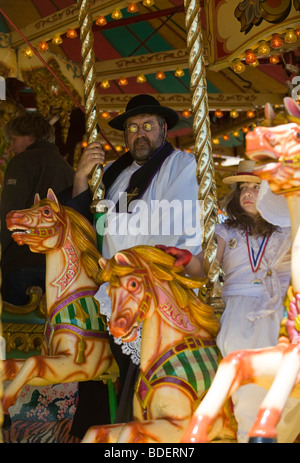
(80, 354)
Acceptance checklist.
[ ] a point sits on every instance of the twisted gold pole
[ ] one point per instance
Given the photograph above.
(203, 149)
(90, 96)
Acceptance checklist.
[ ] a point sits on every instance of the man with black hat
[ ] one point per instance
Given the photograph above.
(153, 191)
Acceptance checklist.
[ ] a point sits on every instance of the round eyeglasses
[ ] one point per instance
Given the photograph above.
(146, 126)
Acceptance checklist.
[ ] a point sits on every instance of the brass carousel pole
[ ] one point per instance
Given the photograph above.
(98, 207)
(90, 96)
(203, 149)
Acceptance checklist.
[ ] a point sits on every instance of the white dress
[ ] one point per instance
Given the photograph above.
(253, 310)
(252, 317)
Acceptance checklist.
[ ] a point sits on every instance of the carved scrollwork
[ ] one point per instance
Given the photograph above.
(252, 12)
(50, 98)
(23, 337)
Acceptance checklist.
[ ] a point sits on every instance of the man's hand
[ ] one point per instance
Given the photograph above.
(92, 155)
(183, 256)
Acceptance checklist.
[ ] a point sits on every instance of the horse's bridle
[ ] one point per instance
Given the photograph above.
(150, 292)
(51, 231)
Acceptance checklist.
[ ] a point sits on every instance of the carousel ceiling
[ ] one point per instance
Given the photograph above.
(141, 47)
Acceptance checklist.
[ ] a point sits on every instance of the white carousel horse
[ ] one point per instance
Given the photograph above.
(275, 368)
(77, 341)
(179, 356)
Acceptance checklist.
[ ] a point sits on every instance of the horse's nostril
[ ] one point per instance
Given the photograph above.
(121, 323)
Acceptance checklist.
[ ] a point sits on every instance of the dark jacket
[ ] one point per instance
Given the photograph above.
(36, 169)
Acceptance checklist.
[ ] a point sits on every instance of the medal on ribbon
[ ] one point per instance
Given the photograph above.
(255, 260)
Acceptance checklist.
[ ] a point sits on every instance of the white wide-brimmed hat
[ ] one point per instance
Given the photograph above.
(244, 173)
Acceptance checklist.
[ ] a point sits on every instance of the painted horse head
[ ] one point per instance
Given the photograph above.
(136, 276)
(278, 141)
(46, 226)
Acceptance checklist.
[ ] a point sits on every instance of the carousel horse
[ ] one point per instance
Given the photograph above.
(275, 368)
(76, 341)
(179, 356)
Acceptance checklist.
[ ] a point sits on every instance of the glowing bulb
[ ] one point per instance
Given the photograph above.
(238, 66)
(101, 21)
(215, 141)
(132, 8)
(245, 129)
(250, 113)
(236, 133)
(105, 84)
(28, 52)
(254, 64)
(160, 75)
(123, 81)
(250, 57)
(186, 113)
(57, 40)
(148, 2)
(219, 113)
(43, 46)
(225, 137)
(290, 36)
(276, 41)
(179, 72)
(141, 78)
(263, 48)
(274, 59)
(105, 114)
(71, 33)
(233, 113)
(84, 144)
(117, 14)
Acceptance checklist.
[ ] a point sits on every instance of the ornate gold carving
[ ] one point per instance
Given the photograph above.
(51, 99)
(23, 337)
(37, 301)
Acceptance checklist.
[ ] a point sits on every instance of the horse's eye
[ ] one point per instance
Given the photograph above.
(132, 284)
(47, 211)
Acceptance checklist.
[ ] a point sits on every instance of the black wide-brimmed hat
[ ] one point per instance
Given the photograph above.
(145, 104)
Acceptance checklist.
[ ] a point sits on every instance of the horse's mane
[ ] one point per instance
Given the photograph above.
(84, 236)
(162, 267)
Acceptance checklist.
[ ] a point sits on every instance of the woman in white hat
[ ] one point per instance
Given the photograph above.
(255, 257)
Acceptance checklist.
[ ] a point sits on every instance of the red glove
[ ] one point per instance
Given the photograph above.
(183, 256)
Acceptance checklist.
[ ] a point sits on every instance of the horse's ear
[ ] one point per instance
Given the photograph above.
(51, 195)
(291, 106)
(269, 112)
(122, 259)
(102, 262)
(36, 198)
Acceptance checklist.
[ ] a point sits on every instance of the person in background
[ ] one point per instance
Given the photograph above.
(255, 257)
(36, 166)
(153, 191)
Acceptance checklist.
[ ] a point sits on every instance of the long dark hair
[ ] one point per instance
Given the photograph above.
(238, 218)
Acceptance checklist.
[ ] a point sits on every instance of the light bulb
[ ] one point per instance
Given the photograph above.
(238, 66)
(263, 48)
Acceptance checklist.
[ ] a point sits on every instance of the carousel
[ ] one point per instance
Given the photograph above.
(231, 71)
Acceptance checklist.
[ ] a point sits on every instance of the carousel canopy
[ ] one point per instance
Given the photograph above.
(250, 52)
